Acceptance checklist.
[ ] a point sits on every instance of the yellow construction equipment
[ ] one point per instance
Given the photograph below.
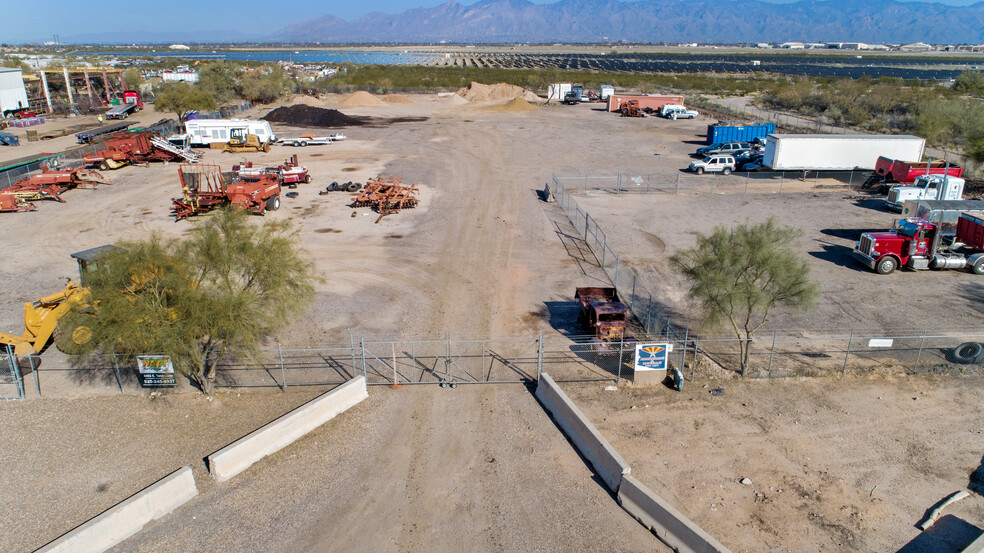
(41, 318)
(241, 141)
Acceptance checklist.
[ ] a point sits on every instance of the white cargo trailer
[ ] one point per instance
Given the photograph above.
(837, 152)
(558, 90)
(202, 132)
(13, 95)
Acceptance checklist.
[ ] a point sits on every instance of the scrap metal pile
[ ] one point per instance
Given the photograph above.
(124, 148)
(49, 184)
(386, 195)
(205, 187)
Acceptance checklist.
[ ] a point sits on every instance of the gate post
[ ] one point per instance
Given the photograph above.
(848, 354)
(919, 355)
(362, 344)
(283, 373)
(539, 356)
(621, 344)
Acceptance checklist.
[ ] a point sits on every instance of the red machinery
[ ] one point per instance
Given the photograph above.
(387, 195)
(124, 148)
(205, 187)
(48, 184)
(289, 172)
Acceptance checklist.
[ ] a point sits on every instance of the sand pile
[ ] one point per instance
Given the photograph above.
(501, 92)
(397, 99)
(363, 99)
(309, 116)
(518, 104)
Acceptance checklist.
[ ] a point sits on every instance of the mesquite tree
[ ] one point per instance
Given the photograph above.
(739, 276)
(231, 283)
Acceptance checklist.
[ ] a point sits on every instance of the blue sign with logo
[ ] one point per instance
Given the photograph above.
(652, 357)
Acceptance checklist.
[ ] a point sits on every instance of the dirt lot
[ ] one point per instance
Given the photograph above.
(481, 257)
(835, 465)
(646, 229)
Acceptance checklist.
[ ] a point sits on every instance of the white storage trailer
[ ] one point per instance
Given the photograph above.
(837, 152)
(13, 95)
(558, 90)
(202, 132)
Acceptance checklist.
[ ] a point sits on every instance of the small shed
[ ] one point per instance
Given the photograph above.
(87, 259)
(13, 95)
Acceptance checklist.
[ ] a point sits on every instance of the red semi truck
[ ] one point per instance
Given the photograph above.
(920, 244)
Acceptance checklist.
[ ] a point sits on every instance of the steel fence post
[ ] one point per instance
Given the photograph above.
(447, 358)
(618, 263)
(848, 354)
(604, 251)
(539, 356)
(850, 184)
(413, 361)
(677, 184)
(37, 377)
(483, 363)
(634, 279)
(649, 314)
(621, 345)
(283, 373)
(772, 352)
(919, 354)
(362, 343)
(116, 370)
(352, 349)
(693, 367)
(686, 338)
(781, 174)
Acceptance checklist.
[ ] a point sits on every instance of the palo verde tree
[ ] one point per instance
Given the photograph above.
(222, 290)
(182, 98)
(740, 276)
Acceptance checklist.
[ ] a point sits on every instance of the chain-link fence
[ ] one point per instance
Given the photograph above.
(752, 182)
(226, 112)
(652, 315)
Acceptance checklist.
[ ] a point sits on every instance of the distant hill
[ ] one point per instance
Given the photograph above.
(707, 21)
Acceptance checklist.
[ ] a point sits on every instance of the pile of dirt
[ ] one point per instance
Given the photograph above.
(397, 99)
(363, 99)
(517, 104)
(501, 92)
(301, 115)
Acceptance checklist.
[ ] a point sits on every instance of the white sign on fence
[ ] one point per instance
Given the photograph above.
(880, 343)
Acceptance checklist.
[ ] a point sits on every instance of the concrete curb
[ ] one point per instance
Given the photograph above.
(669, 525)
(595, 448)
(274, 436)
(128, 517)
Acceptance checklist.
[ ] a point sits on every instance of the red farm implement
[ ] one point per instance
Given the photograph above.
(49, 184)
(387, 195)
(205, 187)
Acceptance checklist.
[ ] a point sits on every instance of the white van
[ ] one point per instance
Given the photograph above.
(202, 132)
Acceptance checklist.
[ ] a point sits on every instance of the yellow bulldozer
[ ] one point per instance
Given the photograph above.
(241, 141)
(41, 321)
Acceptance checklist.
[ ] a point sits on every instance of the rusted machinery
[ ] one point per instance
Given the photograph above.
(290, 171)
(50, 183)
(631, 109)
(205, 187)
(602, 313)
(125, 148)
(387, 195)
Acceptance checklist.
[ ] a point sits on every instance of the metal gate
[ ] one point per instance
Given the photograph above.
(450, 362)
(11, 383)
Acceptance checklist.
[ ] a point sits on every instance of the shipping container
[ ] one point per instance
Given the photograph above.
(654, 102)
(837, 152)
(718, 133)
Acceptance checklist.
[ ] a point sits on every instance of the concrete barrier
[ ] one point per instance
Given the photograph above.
(669, 525)
(270, 438)
(976, 547)
(595, 448)
(127, 517)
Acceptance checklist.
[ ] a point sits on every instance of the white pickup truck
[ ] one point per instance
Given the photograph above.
(311, 140)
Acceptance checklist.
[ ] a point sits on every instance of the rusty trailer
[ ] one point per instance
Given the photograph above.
(387, 195)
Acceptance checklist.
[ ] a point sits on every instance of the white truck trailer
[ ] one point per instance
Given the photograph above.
(837, 152)
(557, 91)
(202, 132)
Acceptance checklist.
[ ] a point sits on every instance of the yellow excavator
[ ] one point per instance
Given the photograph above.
(41, 319)
(241, 141)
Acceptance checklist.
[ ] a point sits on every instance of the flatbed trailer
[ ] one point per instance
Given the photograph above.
(86, 136)
(121, 111)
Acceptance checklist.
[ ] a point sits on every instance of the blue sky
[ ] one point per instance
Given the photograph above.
(255, 17)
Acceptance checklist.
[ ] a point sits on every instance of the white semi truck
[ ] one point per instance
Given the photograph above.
(837, 152)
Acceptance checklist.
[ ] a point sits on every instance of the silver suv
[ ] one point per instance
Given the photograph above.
(717, 163)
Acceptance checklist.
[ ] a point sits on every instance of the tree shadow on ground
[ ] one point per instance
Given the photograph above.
(949, 534)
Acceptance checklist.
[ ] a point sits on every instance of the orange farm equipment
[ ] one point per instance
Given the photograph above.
(205, 187)
(290, 172)
(125, 148)
(631, 109)
(50, 183)
(387, 195)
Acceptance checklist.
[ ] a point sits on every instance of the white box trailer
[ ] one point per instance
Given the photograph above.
(837, 152)
(202, 132)
(13, 95)
(558, 90)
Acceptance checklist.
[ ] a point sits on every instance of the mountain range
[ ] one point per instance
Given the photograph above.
(655, 21)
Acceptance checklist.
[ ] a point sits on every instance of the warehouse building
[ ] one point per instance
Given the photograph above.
(13, 95)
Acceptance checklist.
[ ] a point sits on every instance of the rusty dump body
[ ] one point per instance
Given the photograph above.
(49, 184)
(602, 313)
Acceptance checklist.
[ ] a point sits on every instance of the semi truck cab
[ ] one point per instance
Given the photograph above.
(926, 187)
(918, 244)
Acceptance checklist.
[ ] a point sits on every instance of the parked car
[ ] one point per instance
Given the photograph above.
(753, 166)
(675, 112)
(723, 148)
(746, 157)
(717, 163)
